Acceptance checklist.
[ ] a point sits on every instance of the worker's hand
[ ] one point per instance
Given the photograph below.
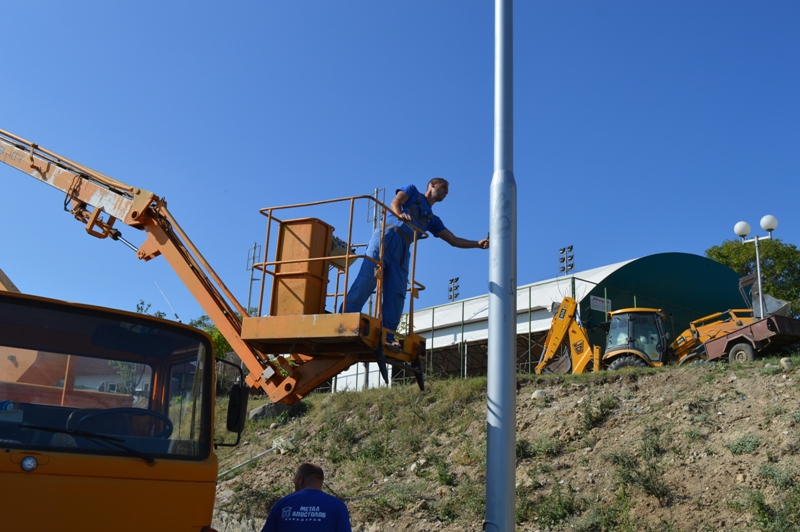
(483, 244)
(404, 216)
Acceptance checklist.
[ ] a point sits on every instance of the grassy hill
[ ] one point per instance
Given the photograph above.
(711, 447)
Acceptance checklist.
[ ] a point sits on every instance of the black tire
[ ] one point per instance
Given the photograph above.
(629, 361)
(742, 352)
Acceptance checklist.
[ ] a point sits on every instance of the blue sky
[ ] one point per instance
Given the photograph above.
(640, 127)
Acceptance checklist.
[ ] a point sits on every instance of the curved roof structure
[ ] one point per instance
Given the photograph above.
(683, 285)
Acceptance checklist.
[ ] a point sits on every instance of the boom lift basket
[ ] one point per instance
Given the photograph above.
(310, 342)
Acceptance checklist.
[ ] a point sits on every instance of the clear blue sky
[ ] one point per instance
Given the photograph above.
(640, 127)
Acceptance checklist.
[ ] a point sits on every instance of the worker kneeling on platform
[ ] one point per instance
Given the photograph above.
(409, 207)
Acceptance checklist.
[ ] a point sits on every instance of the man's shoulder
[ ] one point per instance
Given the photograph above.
(311, 495)
(409, 190)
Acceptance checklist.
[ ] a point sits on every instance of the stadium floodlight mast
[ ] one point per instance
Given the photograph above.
(768, 223)
(566, 260)
(452, 289)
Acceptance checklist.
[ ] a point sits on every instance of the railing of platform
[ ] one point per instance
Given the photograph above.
(269, 267)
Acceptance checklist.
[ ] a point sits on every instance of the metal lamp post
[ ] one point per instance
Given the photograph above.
(768, 223)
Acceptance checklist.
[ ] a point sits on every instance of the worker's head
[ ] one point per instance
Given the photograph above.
(437, 189)
(308, 476)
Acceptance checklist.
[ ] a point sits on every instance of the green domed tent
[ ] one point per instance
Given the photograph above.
(685, 286)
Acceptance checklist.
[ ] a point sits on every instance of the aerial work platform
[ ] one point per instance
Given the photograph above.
(310, 342)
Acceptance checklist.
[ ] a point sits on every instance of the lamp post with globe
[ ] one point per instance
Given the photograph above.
(768, 223)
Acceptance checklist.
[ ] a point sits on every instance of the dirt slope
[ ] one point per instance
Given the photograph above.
(699, 448)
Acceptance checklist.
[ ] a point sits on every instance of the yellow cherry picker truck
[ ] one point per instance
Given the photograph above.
(107, 417)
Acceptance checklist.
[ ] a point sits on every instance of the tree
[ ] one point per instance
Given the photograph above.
(225, 376)
(144, 308)
(221, 345)
(131, 374)
(204, 323)
(780, 266)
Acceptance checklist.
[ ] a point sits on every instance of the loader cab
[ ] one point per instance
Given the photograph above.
(637, 330)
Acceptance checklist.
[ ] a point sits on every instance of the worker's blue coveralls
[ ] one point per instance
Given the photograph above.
(396, 255)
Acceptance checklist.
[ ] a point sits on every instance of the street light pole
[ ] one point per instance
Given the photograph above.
(768, 223)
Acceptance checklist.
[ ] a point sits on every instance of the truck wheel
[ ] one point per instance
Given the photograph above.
(741, 353)
(627, 362)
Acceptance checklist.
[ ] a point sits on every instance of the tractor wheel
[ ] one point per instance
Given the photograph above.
(629, 361)
(741, 353)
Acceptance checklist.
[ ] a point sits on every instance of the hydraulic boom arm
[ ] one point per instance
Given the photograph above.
(99, 201)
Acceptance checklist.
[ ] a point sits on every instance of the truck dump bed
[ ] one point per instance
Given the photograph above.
(767, 335)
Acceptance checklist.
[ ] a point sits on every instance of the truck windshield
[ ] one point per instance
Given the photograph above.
(84, 380)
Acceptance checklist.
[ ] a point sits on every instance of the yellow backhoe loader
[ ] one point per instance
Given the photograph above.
(635, 338)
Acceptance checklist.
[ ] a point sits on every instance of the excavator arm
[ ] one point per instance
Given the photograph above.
(99, 201)
(567, 348)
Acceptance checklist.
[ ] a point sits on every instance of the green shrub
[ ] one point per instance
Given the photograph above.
(602, 517)
(744, 444)
(695, 435)
(524, 449)
(595, 412)
(556, 506)
(643, 471)
(778, 477)
(774, 411)
(782, 516)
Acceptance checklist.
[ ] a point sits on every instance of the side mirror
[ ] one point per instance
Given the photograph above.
(606, 325)
(237, 408)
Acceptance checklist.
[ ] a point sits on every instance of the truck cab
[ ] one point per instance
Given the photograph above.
(106, 418)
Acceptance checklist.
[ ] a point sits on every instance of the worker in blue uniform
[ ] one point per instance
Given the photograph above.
(409, 206)
(308, 508)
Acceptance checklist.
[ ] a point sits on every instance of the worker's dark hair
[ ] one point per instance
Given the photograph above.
(311, 470)
(438, 181)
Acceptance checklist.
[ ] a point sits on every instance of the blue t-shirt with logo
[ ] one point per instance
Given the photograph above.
(421, 213)
(308, 509)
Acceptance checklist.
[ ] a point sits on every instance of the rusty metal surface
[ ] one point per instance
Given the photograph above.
(767, 335)
(312, 333)
(82, 184)
(300, 285)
